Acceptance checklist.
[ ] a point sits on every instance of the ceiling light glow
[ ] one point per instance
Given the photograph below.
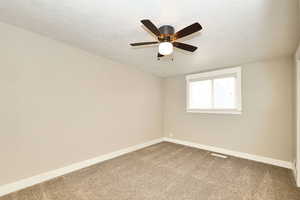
(165, 48)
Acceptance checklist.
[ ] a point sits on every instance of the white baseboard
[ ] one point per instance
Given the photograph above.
(257, 158)
(12, 187)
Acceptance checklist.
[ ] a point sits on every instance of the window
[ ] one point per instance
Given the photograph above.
(215, 92)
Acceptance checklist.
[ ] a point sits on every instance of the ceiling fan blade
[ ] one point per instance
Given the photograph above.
(143, 43)
(188, 30)
(184, 46)
(151, 27)
(159, 55)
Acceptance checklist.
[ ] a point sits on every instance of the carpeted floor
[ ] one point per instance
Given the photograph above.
(168, 171)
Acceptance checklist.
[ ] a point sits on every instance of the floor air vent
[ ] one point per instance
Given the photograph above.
(218, 155)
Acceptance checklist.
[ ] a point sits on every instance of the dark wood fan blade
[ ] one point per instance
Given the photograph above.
(159, 55)
(188, 30)
(151, 27)
(143, 43)
(184, 46)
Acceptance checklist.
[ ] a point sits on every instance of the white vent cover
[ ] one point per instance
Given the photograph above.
(218, 155)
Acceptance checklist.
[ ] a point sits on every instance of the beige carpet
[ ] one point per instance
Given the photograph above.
(168, 171)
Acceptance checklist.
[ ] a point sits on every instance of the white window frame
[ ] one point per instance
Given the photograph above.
(236, 71)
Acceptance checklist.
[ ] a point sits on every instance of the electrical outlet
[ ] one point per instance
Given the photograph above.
(171, 134)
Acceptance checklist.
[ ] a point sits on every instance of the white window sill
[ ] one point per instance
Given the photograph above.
(231, 112)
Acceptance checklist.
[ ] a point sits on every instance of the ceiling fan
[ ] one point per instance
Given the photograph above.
(167, 37)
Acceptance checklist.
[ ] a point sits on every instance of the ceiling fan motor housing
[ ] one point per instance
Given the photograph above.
(166, 31)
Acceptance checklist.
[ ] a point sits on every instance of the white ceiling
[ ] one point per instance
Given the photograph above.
(234, 31)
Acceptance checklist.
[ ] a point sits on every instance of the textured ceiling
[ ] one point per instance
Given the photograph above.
(234, 31)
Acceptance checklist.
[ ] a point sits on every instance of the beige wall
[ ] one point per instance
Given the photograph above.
(297, 120)
(266, 126)
(297, 110)
(295, 103)
(60, 105)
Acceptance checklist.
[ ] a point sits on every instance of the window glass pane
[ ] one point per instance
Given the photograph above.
(224, 93)
(200, 96)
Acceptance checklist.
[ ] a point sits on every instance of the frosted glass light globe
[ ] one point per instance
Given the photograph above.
(165, 48)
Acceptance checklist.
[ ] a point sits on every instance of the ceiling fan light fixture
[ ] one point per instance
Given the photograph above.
(166, 37)
(165, 48)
